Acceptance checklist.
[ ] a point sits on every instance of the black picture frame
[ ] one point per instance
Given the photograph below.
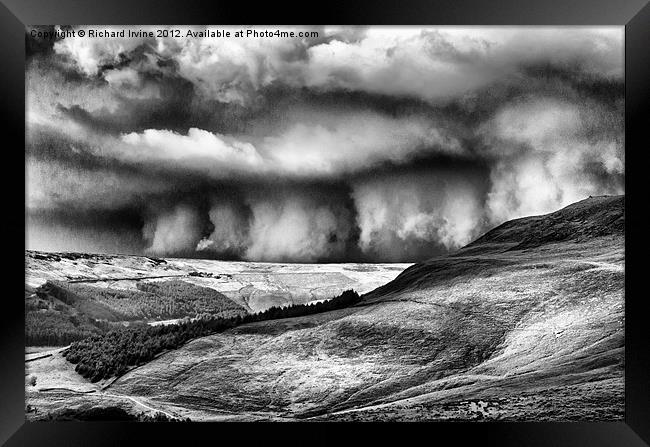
(633, 14)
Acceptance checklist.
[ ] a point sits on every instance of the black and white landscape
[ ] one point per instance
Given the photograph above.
(367, 224)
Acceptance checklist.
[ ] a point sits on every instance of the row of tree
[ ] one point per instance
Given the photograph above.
(112, 354)
(52, 328)
(159, 299)
(59, 313)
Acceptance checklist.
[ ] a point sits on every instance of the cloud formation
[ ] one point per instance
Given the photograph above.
(230, 234)
(361, 144)
(384, 60)
(297, 226)
(173, 231)
(548, 158)
(431, 212)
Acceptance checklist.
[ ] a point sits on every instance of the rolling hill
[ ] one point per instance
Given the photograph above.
(255, 286)
(525, 323)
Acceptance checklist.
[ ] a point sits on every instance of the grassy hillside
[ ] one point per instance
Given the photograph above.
(254, 286)
(590, 218)
(52, 322)
(70, 296)
(112, 354)
(58, 313)
(511, 327)
(526, 323)
(571, 230)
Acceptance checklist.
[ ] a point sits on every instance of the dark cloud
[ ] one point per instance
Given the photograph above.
(363, 144)
(107, 231)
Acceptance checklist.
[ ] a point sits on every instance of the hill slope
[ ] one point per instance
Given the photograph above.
(572, 230)
(581, 221)
(526, 323)
(255, 286)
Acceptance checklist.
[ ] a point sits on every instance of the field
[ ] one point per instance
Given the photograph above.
(253, 285)
(70, 296)
(526, 323)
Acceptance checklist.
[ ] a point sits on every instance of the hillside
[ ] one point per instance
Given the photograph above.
(525, 323)
(255, 286)
(69, 296)
(590, 218)
(572, 229)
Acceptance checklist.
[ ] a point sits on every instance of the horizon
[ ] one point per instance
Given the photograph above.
(307, 263)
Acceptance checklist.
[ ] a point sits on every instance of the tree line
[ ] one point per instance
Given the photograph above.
(59, 313)
(52, 328)
(159, 299)
(101, 357)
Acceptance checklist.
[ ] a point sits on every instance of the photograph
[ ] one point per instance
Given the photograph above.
(334, 223)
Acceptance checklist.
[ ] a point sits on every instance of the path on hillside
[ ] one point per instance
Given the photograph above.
(41, 355)
(128, 278)
(118, 396)
(604, 265)
(139, 402)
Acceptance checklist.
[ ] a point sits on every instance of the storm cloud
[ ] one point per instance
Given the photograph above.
(361, 144)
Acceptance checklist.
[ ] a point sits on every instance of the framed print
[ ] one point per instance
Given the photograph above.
(406, 219)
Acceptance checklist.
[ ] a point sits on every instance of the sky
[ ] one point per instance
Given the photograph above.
(363, 144)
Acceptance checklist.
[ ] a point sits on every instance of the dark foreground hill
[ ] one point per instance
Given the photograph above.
(600, 218)
(526, 323)
(590, 218)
